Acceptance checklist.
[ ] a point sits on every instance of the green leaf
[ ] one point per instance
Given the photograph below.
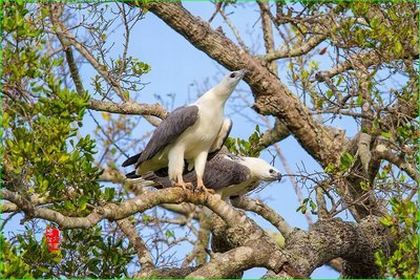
(109, 194)
(169, 234)
(329, 93)
(386, 134)
(312, 205)
(398, 48)
(346, 161)
(339, 80)
(83, 200)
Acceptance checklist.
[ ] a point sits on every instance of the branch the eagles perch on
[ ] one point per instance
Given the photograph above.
(308, 116)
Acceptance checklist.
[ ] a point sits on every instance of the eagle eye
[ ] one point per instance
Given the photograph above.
(232, 75)
(271, 171)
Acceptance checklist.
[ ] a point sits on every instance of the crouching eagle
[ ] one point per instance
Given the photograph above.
(225, 173)
(189, 133)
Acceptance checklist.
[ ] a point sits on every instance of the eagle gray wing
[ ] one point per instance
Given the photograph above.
(168, 131)
(221, 138)
(221, 171)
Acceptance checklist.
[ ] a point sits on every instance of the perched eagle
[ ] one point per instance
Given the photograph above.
(189, 133)
(227, 174)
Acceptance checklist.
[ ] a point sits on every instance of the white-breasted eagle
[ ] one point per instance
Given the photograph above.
(189, 133)
(225, 173)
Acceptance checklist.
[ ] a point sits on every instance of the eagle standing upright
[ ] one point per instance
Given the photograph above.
(189, 133)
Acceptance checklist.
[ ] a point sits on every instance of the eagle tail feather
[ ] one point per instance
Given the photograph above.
(131, 160)
(150, 176)
(132, 175)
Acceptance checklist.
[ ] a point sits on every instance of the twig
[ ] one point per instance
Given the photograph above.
(143, 253)
(292, 180)
(234, 30)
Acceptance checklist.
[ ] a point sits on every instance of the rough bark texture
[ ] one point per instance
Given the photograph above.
(238, 242)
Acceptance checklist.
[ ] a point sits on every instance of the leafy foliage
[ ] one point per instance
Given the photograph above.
(11, 263)
(403, 262)
(83, 253)
(87, 253)
(244, 147)
(44, 155)
(304, 206)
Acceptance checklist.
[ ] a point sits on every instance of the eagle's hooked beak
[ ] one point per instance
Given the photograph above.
(242, 72)
(278, 176)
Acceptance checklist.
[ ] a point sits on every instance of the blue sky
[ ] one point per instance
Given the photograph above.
(176, 69)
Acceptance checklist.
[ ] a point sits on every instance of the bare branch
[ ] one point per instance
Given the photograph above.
(267, 32)
(113, 211)
(272, 136)
(265, 211)
(367, 59)
(288, 52)
(63, 33)
(145, 258)
(7, 207)
(292, 180)
(202, 242)
(230, 263)
(129, 108)
(234, 29)
(383, 152)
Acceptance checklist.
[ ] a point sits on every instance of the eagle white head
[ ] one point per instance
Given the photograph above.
(229, 82)
(260, 169)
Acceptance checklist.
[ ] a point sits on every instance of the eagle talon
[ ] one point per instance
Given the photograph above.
(184, 186)
(202, 188)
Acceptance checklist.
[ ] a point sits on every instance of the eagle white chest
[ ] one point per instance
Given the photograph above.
(202, 134)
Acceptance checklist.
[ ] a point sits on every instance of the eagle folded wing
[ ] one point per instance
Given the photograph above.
(166, 133)
(221, 136)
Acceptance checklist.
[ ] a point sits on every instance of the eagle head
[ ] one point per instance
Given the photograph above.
(231, 80)
(260, 169)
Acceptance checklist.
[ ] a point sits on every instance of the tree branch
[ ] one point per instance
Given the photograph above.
(272, 136)
(113, 211)
(303, 252)
(381, 151)
(129, 108)
(367, 59)
(267, 32)
(272, 97)
(64, 34)
(230, 263)
(233, 28)
(145, 258)
(266, 212)
(288, 52)
(202, 242)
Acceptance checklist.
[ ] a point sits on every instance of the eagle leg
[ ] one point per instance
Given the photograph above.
(201, 188)
(181, 184)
